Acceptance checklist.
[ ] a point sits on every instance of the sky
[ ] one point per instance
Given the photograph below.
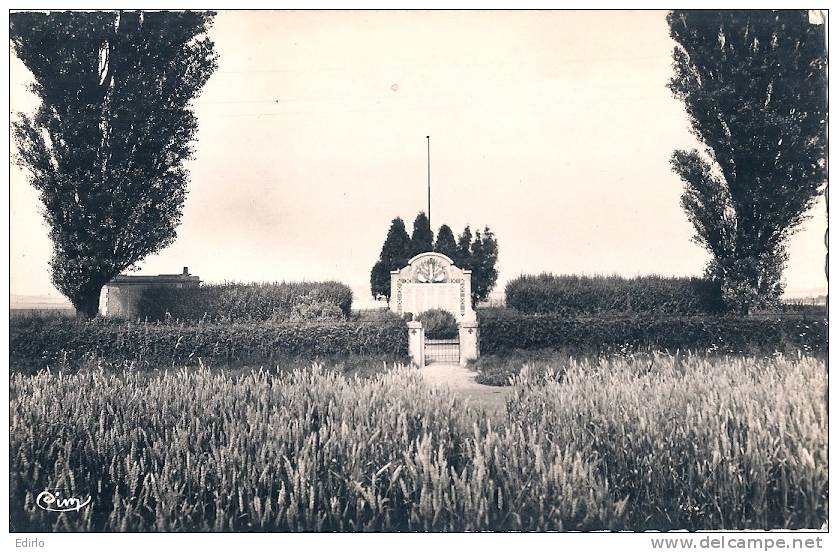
(554, 129)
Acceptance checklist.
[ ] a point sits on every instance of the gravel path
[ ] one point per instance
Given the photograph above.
(461, 381)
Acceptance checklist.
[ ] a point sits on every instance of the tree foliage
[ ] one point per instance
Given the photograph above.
(422, 239)
(463, 256)
(478, 253)
(105, 148)
(754, 87)
(394, 255)
(380, 281)
(438, 324)
(483, 261)
(445, 242)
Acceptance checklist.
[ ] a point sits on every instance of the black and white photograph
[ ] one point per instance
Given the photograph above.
(277, 273)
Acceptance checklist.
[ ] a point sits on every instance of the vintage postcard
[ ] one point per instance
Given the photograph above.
(418, 271)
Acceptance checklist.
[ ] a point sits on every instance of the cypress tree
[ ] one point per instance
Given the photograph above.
(445, 242)
(394, 255)
(462, 257)
(484, 258)
(422, 239)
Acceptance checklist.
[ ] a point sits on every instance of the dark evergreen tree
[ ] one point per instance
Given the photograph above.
(483, 261)
(422, 239)
(754, 87)
(394, 255)
(105, 149)
(445, 242)
(479, 255)
(380, 281)
(463, 256)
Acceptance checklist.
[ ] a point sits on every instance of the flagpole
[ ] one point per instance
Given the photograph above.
(429, 180)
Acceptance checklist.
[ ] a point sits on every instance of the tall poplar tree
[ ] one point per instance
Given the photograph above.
(106, 147)
(754, 87)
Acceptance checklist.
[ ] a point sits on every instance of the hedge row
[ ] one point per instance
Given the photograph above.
(248, 302)
(38, 342)
(723, 334)
(573, 295)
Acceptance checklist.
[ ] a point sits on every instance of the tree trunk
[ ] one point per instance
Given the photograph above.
(87, 303)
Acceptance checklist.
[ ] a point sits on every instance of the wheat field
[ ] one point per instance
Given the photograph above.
(681, 442)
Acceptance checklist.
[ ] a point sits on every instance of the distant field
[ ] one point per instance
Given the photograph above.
(47, 311)
(39, 305)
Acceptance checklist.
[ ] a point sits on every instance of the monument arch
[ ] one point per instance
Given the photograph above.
(432, 281)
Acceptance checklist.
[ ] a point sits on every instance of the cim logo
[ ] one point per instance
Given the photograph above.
(56, 503)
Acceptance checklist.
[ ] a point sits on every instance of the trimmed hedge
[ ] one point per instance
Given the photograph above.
(38, 343)
(573, 295)
(248, 302)
(500, 333)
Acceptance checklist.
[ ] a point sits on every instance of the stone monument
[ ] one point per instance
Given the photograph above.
(433, 281)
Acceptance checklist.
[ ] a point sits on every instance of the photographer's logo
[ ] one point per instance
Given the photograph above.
(56, 503)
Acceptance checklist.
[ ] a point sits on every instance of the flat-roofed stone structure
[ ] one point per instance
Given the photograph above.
(121, 296)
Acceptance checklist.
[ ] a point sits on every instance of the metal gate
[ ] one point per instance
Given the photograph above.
(442, 350)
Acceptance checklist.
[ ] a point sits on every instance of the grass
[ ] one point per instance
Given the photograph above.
(501, 369)
(350, 366)
(308, 450)
(686, 442)
(693, 442)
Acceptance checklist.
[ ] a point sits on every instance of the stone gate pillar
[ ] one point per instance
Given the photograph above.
(469, 341)
(416, 343)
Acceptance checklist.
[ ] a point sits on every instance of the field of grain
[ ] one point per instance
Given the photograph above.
(681, 442)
